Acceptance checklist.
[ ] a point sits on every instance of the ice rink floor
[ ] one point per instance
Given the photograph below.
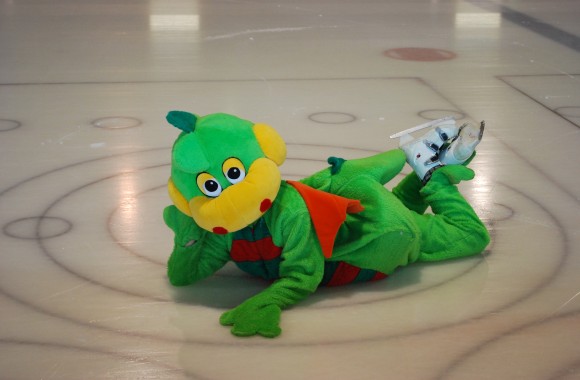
(84, 160)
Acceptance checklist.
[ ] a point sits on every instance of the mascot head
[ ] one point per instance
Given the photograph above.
(224, 170)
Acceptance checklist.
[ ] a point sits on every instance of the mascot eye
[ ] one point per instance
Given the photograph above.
(234, 170)
(209, 185)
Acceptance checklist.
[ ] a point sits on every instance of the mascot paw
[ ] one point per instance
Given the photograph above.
(452, 174)
(185, 229)
(249, 319)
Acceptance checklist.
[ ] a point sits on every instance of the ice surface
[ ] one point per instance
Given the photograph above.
(84, 159)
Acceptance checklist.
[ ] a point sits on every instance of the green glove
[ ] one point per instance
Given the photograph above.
(253, 318)
(196, 254)
(185, 229)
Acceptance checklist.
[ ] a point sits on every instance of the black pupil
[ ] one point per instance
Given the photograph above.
(211, 185)
(234, 173)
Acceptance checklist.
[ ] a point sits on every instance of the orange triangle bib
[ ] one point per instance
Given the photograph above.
(327, 212)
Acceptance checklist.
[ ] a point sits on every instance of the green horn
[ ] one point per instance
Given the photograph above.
(182, 120)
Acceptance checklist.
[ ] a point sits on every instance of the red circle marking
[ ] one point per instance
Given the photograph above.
(420, 54)
(220, 230)
(265, 205)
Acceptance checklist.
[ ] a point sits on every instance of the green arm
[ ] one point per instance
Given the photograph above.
(196, 254)
(301, 271)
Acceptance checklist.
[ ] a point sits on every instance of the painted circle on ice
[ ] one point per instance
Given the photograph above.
(502, 212)
(435, 114)
(8, 125)
(41, 227)
(116, 122)
(420, 54)
(332, 117)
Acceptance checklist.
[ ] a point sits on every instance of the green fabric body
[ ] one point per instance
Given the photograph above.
(254, 252)
(391, 232)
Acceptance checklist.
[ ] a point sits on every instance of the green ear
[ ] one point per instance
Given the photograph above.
(182, 120)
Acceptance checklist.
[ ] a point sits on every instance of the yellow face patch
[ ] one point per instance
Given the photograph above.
(241, 204)
(177, 198)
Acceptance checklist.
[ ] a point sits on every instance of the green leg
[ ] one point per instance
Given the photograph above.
(408, 192)
(454, 230)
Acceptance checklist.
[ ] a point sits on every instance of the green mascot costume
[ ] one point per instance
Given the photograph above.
(338, 226)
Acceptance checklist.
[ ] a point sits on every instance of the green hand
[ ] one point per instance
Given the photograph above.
(452, 174)
(253, 318)
(185, 229)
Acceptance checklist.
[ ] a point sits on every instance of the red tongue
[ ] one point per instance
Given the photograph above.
(220, 231)
(265, 205)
